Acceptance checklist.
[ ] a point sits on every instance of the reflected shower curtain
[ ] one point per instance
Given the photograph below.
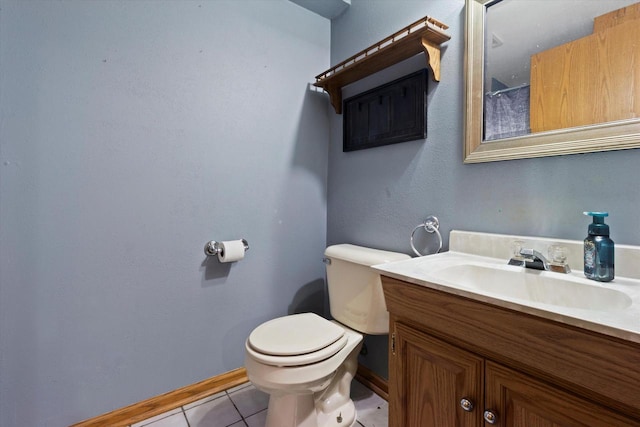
(506, 113)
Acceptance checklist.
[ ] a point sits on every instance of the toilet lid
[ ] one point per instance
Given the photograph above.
(300, 359)
(294, 335)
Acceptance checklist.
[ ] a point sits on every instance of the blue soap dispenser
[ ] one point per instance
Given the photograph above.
(598, 250)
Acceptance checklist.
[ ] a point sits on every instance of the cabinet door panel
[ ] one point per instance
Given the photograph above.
(521, 401)
(392, 113)
(429, 380)
(380, 115)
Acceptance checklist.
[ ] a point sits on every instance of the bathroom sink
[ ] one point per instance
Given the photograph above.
(492, 280)
(534, 286)
(476, 267)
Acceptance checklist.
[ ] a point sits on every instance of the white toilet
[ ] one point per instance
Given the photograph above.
(305, 362)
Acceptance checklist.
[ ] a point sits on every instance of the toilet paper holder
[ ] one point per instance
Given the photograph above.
(213, 248)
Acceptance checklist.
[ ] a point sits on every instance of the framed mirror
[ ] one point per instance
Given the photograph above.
(536, 85)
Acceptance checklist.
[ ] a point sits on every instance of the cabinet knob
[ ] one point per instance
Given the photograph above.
(466, 404)
(490, 417)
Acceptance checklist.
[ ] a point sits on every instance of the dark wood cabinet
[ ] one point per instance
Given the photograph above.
(457, 362)
(522, 401)
(430, 377)
(391, 113)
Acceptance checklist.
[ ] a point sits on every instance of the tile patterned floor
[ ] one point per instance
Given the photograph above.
(245, 406)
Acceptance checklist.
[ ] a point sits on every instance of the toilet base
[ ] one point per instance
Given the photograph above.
(291, 410)
(299, 410)
(343, 416)
(334, 405)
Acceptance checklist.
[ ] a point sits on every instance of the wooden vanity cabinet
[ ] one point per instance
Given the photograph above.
(452, 358)
(523, 401)
(428, 379)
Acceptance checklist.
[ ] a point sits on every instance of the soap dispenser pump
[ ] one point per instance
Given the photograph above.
(598, 250)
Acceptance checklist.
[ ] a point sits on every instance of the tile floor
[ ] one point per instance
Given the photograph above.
(245, 406)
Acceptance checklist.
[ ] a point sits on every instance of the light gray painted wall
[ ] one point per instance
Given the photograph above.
(131, 133)
(377, 196)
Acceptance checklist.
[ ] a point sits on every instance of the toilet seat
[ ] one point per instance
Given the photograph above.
(295, 340)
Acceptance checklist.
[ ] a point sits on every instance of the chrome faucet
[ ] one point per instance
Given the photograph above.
(530, 258)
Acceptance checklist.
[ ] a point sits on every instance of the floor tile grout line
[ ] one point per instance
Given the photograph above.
(234, 405)
(204, 400)
(162, 416)
(246, 385)
(184, 414)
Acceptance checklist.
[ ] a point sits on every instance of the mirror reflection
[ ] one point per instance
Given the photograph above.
(561, 64)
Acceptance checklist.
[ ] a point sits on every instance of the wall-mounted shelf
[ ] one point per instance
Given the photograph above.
(426, 34)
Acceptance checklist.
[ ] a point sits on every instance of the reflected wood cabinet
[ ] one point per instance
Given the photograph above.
(461, 363)
(590, 80)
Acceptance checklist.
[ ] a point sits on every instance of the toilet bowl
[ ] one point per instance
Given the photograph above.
(308, 394)
(305, 362)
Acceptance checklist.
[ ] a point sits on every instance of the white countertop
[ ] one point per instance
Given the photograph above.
(623, 323)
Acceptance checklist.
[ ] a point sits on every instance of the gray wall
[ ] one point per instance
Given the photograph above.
(131, 133)
(377, 196)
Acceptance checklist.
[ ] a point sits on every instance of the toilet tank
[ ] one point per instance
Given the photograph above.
(355, 290)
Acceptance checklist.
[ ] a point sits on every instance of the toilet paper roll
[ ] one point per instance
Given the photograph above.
(231, 251)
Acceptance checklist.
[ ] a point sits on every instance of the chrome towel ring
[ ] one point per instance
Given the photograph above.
(431, 225)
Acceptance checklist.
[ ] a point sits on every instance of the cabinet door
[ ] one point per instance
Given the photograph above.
(429, 378)
(519, 400)
(391, 113)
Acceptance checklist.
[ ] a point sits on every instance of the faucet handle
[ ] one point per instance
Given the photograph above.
(516, 247)
(557, 253)
(558, 258)
(516, 257)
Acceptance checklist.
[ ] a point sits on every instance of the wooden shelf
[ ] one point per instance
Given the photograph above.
(425, 35)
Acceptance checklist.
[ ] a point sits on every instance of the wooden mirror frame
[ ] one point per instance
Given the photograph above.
(618, 135)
